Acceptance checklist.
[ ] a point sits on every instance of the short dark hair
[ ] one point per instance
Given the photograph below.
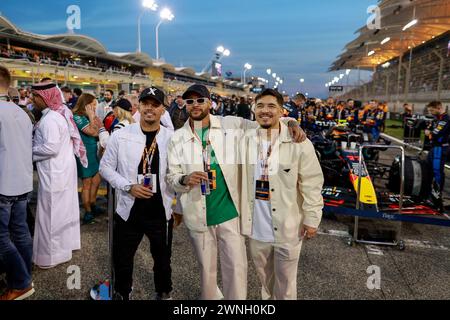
(110, 91)
(310, 103)
(435, 104)
(66, 90)
(300, 96)
(5, 77)
(272, 93)
(78, 91)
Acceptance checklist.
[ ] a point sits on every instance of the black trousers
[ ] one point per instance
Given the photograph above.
(126, 240)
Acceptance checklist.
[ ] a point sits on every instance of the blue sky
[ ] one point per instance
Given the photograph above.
(297, 39)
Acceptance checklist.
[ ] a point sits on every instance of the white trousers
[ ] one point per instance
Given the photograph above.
(276, 265)
(227, 241)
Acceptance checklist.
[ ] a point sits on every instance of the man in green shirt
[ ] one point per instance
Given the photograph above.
(219, 197)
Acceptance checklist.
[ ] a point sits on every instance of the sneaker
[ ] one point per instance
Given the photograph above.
(118, 297)
(48, 267)
(17, 294)
(88, 218)
(163, 296)
(97, 211)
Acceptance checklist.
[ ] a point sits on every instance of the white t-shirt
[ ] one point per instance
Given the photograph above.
(262, 216)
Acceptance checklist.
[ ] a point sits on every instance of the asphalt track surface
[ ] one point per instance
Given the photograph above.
(329, 268)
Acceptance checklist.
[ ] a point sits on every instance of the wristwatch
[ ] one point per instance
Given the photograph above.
(182, 180)
(127, 189)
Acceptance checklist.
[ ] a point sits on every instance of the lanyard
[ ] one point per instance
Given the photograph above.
(264, 159)
(147, 157)
(206, 151)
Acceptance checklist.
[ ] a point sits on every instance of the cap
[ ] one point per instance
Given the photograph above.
(123, 104)
(153, 93)
(199, 89)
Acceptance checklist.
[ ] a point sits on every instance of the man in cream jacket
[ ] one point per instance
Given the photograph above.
(281, 201)
(210, 144)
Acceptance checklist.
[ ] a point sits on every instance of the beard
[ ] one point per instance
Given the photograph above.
(149, 122)
(202, 116)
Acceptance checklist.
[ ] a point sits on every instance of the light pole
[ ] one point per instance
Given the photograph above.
(147, 4)
(247, 67)
(221, 51)
(347, 72)
(269, 73)
(165, 14)
(302, 81)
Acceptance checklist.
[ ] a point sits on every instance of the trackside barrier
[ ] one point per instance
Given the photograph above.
(388, 216)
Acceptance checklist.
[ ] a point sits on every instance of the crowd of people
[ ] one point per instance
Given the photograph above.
(64, 60)
(131, 143)
(313, 113)
(169, 162)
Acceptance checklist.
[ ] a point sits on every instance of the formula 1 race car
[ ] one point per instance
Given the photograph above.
(337, 148)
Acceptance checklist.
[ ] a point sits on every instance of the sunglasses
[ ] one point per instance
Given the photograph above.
(190, 102)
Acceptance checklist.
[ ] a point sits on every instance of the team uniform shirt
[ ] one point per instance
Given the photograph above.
(440, 131)
(291, 110)
(328, 113)
(371, 118)
(342, 115)
(308, 120)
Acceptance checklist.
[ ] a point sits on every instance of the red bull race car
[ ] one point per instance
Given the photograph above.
(378, 181)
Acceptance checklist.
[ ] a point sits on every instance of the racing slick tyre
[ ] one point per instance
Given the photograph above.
(417, 177)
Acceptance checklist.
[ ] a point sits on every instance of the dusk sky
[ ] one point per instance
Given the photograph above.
(296, 39)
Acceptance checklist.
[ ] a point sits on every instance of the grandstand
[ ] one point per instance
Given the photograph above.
(410, 65)
(80, 61)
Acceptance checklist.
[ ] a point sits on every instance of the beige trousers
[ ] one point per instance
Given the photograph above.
(276, 265)
(227, 241)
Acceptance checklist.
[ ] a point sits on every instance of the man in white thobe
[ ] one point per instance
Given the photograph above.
(57, 231)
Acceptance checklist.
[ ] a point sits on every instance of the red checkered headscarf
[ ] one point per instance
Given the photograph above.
(53, 98)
